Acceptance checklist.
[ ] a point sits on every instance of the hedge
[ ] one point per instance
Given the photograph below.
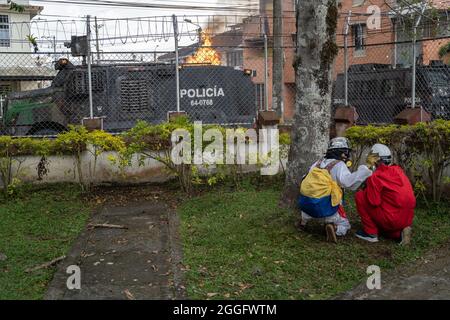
(423, 150)
(145, 140)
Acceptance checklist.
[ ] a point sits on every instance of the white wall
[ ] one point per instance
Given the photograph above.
(62, 169)
(19, 28)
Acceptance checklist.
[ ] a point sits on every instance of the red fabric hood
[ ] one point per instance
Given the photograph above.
(391, 175)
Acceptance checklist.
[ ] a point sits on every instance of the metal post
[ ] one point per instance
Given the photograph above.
(346, 31)
(154, 54)
(89, 62)
(54, 48)
(177, 70)
(1, 106)
(395, 44)
(414, 68)
(413, 87)
(278, 60)
(266, 73)
(97, 44)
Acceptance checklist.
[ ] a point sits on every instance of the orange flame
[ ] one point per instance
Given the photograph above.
(205, 54)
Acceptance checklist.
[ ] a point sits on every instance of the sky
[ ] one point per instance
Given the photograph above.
(123, 31)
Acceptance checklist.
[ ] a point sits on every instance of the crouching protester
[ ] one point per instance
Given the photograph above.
(321, 194)
(386, 204)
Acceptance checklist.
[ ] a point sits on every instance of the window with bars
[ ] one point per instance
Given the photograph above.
(235, 58)
(5, 40)
(358, 36)
(260, 96)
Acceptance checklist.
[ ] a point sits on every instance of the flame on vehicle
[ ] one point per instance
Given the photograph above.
(205, 54)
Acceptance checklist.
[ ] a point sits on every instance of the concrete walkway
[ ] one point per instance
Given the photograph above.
(428, 279)
(140, 262)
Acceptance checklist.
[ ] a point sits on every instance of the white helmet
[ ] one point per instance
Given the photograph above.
(383, 152)
(339, 143)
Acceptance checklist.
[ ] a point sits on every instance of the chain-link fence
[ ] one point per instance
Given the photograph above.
(224, 77)
(402, 63)
(44, 93)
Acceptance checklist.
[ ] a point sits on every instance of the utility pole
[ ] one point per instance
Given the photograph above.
(278, 59)
(96, 40)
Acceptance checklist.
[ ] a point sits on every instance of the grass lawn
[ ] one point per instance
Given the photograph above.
(36, 227)
(240, 245)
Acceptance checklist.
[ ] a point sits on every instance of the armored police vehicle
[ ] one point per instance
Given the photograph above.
(379, 92)
(125, 93)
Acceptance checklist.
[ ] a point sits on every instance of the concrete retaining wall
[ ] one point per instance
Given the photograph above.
(63, 169)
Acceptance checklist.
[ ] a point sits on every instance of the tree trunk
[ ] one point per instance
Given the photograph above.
(316, 51)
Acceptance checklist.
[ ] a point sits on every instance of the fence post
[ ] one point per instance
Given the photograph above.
(346, 31)
(278, 60)
(413, 86)
(89, 62)
(266, 73)
(414, 67)
(97, 43)
(177, 70)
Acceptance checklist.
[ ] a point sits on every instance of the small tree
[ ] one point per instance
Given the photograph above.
(154, 142)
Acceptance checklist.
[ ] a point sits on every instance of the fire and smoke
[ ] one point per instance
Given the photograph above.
(205, 54)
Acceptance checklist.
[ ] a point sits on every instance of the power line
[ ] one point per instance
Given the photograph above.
(136, 5)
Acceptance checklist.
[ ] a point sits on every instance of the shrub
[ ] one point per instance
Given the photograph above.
(12, 155)
(77, 140)
(422, 150)
(145, 140)
(444, 50)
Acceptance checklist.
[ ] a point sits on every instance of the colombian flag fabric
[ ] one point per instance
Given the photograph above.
(320, 195)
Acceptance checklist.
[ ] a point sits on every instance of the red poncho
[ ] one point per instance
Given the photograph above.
(387, 203)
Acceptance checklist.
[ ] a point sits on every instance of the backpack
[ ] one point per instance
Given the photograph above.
(320, 195)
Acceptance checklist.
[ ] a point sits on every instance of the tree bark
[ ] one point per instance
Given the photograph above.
(316, 51)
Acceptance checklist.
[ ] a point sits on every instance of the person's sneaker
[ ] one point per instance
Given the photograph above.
(331, 233)
(365, 236)
(406, 236)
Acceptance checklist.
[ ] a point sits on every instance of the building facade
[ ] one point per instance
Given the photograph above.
(17, 66)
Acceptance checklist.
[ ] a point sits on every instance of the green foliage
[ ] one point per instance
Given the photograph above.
(78, 139)
(75, 141)
(12, 156)
(13, 6)
(144, 141)
(241, 245)
(423, 150)
(37, 225)
(154, 142)
(444, 50)
(33, 41)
